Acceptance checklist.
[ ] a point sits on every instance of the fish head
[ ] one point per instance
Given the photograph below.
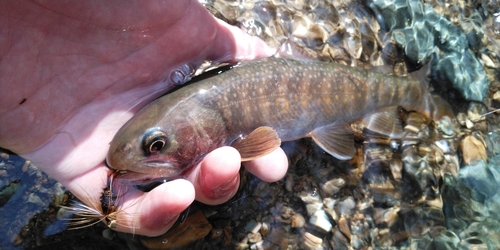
(159, 143)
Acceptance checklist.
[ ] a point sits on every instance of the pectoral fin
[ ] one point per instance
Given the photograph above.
(260, 142)
(385, 121)
(337, 140)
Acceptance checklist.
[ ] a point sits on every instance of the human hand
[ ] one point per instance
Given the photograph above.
(76, 72)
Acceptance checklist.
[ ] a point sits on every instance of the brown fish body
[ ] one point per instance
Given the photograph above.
(294, 99)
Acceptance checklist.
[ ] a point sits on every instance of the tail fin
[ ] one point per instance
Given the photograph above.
(440, 112)
(433, 106)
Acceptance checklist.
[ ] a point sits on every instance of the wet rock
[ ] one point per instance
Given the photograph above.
(313, 202)
(312, 241)
(446, 240)
(476, 112)
(333, 186)
(320, 219)
(435, 203)
(297, 221)
(195, 227)
(473, 149)
(329, 205)
(254, 237)
(479, 178)
(346, 206)
(253, 226)
(262, 190)
(419, 29)
(492, 140)
(344, 228)
(385, 216)
(33, 198)
(264, 230)
(473, 243)
(4, 155)
(108, 234)
(8, 191)
(285, 214)
(423, 242)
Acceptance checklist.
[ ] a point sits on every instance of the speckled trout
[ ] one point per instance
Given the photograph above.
(255, 106)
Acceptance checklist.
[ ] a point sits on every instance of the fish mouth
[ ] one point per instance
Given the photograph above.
(154, 165)
(141, 179)
(146, 172)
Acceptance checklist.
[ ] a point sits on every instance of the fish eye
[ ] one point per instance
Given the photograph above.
(154, 141)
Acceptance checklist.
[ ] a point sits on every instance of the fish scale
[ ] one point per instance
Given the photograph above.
(331, 92)
(288, 99)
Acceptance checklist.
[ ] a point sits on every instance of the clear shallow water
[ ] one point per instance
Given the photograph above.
(431, 190)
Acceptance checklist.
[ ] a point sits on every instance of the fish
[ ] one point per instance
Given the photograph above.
(254, 107)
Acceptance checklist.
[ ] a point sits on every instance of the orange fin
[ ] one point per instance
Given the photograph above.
(262, 141)
(336, 140)
(385, 121)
